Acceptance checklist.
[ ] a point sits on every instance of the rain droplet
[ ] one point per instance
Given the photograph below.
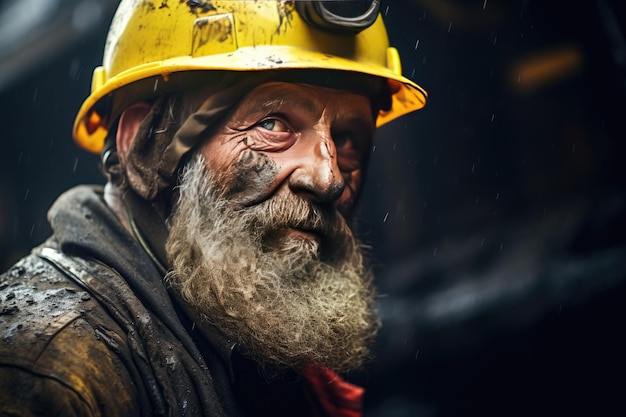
(75, 68)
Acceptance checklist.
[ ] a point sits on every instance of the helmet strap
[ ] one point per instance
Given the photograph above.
(148, 227)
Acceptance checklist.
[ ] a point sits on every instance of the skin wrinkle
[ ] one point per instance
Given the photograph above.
(286, 99)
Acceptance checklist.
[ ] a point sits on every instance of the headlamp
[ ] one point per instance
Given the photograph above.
(339, 16)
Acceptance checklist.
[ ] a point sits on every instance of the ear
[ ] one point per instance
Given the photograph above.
(127, 128)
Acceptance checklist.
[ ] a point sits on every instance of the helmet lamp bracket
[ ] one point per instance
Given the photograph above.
(339, 16)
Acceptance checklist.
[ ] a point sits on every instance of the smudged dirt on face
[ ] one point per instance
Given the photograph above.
(252, 175)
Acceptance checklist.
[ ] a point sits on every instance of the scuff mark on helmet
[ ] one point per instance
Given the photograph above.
(206, 31)
(202, 6)
(148, 6)
(285, 15)
(274, 59)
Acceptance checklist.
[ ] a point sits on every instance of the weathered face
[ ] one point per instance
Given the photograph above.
(258, 242)
(292, 138)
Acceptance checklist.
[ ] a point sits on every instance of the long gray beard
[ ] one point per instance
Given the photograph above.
(286, 301)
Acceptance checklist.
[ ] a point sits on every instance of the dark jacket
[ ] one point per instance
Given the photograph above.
(87, 328)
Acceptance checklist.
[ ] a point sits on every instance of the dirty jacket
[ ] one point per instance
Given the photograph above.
(87, 328)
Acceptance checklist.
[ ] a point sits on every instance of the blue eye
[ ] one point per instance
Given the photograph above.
(273, 125)
(268, 124)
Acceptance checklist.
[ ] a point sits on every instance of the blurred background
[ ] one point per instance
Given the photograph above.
(497, 213)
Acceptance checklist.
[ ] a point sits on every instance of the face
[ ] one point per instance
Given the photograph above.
(259, 244)
(291, 138)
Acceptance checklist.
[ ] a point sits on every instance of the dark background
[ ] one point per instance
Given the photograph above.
(497, 213)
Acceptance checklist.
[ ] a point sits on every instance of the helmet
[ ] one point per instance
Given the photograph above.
(153, 46)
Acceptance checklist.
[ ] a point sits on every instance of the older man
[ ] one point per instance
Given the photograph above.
(216, 273)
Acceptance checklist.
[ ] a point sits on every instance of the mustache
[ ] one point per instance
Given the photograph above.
(283, 211)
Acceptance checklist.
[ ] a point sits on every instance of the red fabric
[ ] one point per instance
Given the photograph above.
(336, 397)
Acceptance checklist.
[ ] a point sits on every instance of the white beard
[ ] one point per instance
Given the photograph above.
(288, 302)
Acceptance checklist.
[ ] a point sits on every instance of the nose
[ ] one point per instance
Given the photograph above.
(318, 176)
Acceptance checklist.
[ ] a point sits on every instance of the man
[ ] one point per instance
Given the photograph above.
(216, 272)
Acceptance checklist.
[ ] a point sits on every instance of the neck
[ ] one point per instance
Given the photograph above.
(113, 199)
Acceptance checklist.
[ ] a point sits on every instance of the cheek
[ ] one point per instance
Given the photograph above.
(253, 175)
(348, 199)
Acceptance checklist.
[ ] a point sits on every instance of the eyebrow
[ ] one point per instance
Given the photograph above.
(277, 100)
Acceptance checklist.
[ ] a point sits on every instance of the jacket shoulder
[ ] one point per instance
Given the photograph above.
(36, 302)
(59, 346)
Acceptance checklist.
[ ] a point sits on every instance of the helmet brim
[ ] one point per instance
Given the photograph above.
(91, 126)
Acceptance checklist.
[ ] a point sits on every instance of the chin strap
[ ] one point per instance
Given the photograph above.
(336, 397)
(148, 226)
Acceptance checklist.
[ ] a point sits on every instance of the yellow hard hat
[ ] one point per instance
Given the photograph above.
(153, 44)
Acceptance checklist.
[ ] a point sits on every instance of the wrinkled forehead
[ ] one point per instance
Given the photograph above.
(233, 87)
(275, 97)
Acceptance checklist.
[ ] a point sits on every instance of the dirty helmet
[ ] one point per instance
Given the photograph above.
(156, 46)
